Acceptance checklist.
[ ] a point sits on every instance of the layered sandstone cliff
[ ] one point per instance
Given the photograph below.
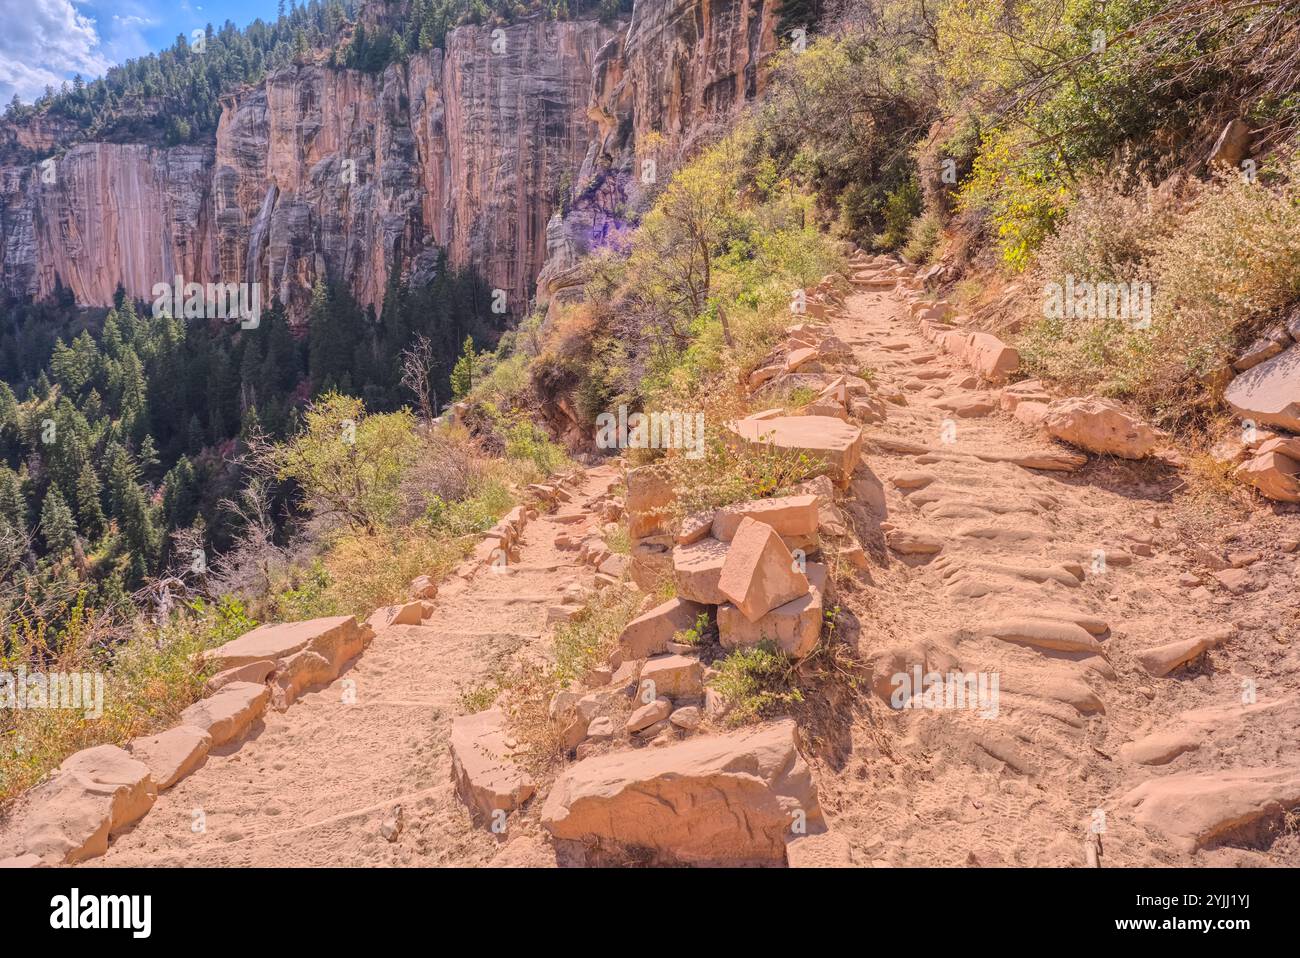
(513, 151)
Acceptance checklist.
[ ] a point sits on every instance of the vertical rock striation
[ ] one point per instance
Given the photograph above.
(514, 152)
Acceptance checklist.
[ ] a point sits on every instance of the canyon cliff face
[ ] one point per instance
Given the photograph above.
(514, 151)
(673, 79)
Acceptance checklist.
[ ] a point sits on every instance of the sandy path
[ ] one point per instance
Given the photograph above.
(950, 788)
(312, 785)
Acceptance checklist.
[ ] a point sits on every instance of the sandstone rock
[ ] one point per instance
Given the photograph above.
(1269, 393)
(695, 527)
(251, 672)
(1273, 342)
(1232, 144)
(1043, 634)
(794, 626)
(674, 676)
(648, 714)
(1163, 659)
(1276, 476)
(759, 572)
(1099, 426)
(824, 849)
(486, 778)
(1200, 809)
(406, 613)
(306, 653)
(697, 568)
(649, 634)
(173, 754)
(94, 794)
(424, 587)
(689, 717)
(719, 800)
(227, 714)
(989, 356)
(913, 543)
(615, 565)
(1236, 581)
(834, 444)
(787, 515)
(600, 728)
(1161, 748)
(649, 501)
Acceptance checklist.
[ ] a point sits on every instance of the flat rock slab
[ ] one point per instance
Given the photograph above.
(833, 443)
(1200, 809)
(697, 568)
(93, 795)
(279, 641)
(1269, 394)
(305, 653)
(173, 754)
(649, 634)
(788, 515)
(730, 799)
(227, 715)
(487, 778)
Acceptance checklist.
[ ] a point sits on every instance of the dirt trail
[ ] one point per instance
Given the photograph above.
(951, 788)
(312, 785)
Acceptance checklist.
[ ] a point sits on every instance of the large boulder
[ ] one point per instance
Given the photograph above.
(1269, 394)
(1099, 426)
(832, 443)
(731, 799)
(487, 778)
(759, 572)
(93, 795)
(305, 653)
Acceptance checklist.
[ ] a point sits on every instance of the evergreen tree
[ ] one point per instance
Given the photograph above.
(57, 526)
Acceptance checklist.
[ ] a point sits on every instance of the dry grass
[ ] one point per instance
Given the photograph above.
(148, 678)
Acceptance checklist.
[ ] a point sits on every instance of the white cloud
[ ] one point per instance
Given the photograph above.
(45, 42)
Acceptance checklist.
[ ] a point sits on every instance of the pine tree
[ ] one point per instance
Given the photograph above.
(90, 510)
(58, 528)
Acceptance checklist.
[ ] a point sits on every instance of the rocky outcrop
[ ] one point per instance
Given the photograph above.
(731, 799)
(680, 70)
(516, 152)
(321, 172)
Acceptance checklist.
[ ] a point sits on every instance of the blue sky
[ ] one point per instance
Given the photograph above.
(48, 41)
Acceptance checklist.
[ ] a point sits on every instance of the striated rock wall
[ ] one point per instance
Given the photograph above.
(672, 81)
(320, 172)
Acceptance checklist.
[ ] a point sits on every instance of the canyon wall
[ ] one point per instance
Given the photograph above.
(513, 151)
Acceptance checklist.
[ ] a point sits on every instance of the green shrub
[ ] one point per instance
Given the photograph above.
(756, 682)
